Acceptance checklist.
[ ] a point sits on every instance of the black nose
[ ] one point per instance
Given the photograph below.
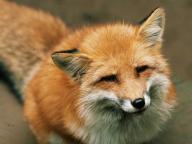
(138, 103)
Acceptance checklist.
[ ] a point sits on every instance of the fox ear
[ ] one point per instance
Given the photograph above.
(71, 62)
(153, 26)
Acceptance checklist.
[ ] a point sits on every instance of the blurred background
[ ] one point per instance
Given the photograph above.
(177, 49)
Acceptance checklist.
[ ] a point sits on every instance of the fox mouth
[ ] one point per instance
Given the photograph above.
(107, 103)
(115, 111)
(113, 104)
(117, 106)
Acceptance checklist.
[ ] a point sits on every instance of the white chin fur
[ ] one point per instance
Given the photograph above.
(161, 80)
(127, 107)
(147, 100)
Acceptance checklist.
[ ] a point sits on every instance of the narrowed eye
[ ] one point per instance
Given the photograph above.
(109, 78)
(141, 69)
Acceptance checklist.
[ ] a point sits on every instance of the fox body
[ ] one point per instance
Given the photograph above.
(104, 84)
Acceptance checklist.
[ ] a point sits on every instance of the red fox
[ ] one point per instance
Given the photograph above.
(105, 84)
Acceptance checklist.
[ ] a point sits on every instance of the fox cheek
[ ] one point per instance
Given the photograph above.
(74, 64)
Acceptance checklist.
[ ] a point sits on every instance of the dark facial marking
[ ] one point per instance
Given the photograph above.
(68, 51)
(108, 78)
(141, 69)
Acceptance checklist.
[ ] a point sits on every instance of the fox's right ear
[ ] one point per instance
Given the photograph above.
(72, 62)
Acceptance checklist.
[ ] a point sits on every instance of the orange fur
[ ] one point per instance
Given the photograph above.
(52, 96)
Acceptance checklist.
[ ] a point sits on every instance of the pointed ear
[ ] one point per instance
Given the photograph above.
(153, 26)
(71, 62)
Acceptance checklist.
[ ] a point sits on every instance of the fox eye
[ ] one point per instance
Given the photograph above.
(141, 69)
(109, 78)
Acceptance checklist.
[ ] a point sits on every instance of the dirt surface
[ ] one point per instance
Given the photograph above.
(177, 48)
(13, 128)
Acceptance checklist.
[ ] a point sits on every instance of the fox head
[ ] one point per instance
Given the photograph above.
(124, 79)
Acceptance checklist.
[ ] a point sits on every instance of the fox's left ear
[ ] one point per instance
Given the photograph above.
(72, 62)
(153, 26)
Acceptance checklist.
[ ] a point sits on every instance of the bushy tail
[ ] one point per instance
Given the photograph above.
(15, 66)
(25, 36)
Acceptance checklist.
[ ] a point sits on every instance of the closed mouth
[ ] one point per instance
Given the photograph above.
(140, 112)
(109, 106)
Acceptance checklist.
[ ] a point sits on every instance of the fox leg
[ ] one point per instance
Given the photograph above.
(41, 131)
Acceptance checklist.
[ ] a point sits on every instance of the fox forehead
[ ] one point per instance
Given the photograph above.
(117, 44)
(109, 40)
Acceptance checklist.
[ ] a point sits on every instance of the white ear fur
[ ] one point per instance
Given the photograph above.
(74, 64)
(153, 27)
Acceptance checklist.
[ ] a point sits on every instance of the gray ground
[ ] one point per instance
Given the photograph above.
(177, 49)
